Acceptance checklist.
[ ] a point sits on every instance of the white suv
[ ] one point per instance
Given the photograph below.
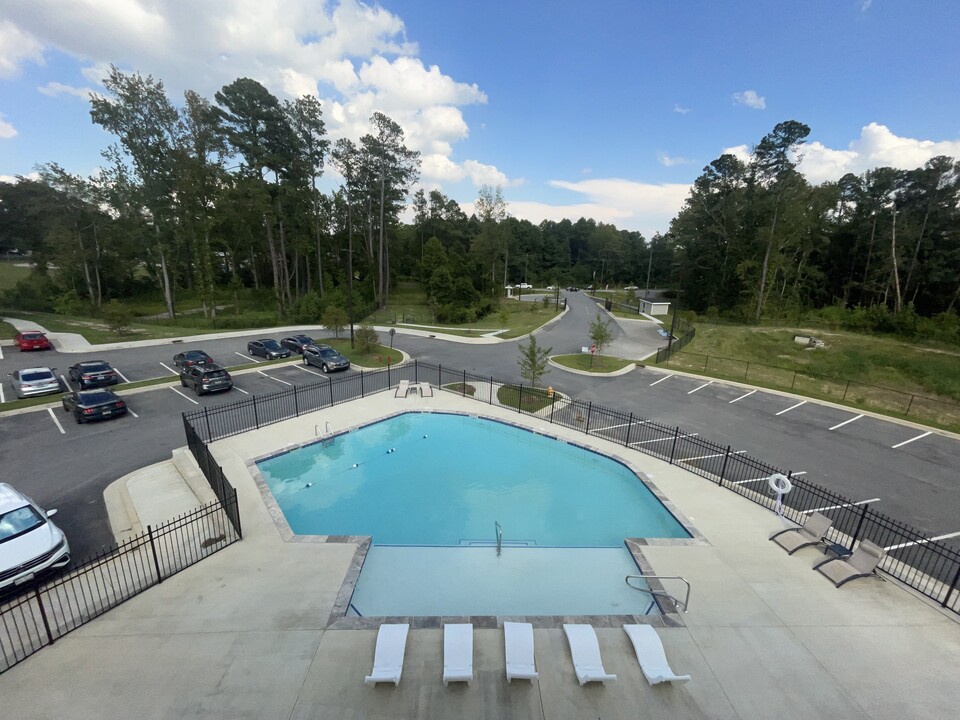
(29, 542)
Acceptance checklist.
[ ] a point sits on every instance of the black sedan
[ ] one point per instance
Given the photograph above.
(267, 348)
(89, 405)
(192, 357)
(325, 358)
(296, 343)
(93, 373)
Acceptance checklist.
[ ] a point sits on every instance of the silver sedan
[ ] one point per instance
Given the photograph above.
(35, 381)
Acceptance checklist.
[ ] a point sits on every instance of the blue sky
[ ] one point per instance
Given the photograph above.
(607, 109)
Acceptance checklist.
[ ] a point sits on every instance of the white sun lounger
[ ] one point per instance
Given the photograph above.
(388, 658)
(518, 644)
(458, 653)
(402, 388)
(650, 655)
(585, 650)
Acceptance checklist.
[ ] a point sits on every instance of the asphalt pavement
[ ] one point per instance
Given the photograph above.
(904, 470)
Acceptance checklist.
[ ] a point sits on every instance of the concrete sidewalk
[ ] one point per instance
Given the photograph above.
(245, 633)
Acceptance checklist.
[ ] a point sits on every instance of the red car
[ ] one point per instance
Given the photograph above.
(32, 340)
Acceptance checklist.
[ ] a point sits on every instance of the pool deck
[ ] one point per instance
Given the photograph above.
(244, 633)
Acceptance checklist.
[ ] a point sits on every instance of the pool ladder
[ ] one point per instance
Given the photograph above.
(326, 435)
(685, 603)
(499, 530)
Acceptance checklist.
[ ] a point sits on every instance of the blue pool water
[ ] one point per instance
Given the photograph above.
(435, 479)
(430, 489)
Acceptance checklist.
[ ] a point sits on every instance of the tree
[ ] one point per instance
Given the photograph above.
(334, 319)
(533, 360)
(600, 333)
(367, 338)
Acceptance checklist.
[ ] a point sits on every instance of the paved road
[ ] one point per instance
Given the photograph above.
(67, 466)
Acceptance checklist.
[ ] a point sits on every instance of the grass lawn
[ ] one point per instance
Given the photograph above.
(94, 330)
(378, 357)
(873, 372)
(600, 364)
(12, 272)
(463, 389)
(532, 400)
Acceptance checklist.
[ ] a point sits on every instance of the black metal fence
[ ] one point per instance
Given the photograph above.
(225, 492)
(50, 609)
(683, 332)
(928, 566)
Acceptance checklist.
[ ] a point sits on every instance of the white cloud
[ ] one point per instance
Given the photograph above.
(877, 146)
(751, 99)
(7, 130)
(677, 108)
(17, 47)
(740, 152)
(14, 179)
(671, 161)
(440, 168)
(865, 5)
(55, 89)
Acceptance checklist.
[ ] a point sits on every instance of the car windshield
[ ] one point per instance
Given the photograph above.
(303, 339)
(95, 367)
(36, 376)
(271, 345)
(16, 522)
(32, 336)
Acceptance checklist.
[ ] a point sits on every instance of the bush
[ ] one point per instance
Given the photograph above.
(35, 292)
(117, 316)
(367, 338)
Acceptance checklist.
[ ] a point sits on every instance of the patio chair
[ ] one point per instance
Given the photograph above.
(650, 655)
(518, 647)
(585, 650)
(458, 653)
(812, 532)
(426, 390)
(861, 563)
(402, 388)
(388, 657)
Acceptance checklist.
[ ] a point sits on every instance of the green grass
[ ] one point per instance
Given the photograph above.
(7, 331)
(407, 304)
(600, 364)
(94, 330)
(461, 388)
(378, 357)
(877, 373)
(533, 400)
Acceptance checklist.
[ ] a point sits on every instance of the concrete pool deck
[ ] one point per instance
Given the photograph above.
(244, 633)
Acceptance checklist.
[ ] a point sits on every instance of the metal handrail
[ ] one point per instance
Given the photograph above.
(686, 599)
(499, 536)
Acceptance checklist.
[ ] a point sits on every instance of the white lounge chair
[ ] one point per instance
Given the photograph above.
(426, 390)
(388, 658)
(518, 644)
(650, 655)
(458, 653)
(585, 650)
(402, 388)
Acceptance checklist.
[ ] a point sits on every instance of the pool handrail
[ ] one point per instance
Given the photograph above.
(499, 528)
(686, 598)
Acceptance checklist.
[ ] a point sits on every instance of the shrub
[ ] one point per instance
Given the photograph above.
(367, 338)
(334, 319)
(117, 316)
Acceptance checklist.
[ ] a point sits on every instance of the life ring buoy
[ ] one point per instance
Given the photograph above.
(780, 483)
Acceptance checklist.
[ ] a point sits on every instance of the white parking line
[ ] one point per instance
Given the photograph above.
(1, 353)
(609, 427)
(184, 396)
(305, 369)
(273, 378)
(241, 390)
(707, 457)
(837, 507)
(700, 388)
(792, 407)
(170, 369)
(54, 418)
(669, 437)
(123, 376)
(898, 445)
(132, 412)
(64, 381)
(742, 397)
(246, 357)
(2, 399)
(846, 422)
(661, 380)
(922, 542)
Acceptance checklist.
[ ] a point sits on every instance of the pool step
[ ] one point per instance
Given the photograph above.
(493, 543)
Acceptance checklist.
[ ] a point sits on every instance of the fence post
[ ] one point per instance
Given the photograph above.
(389, 384)
(43, 611)
(361, 384)
(416, 371)
(463, 385)
(256, 415)
(706, 360)
(626, 442)
(856, 533)
(553, 404)
(206, 417)
(909, 405)
(330, 385)
(439, 375)
(746, 372)
(673, 447)
(845, 391)
(296, 402)
(589, 411)
(153, 551)
(490, 401)
(520, 399)
(723, 469)
(953, 588)
(794, 382)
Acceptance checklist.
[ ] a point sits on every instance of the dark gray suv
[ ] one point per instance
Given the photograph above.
(206, 378)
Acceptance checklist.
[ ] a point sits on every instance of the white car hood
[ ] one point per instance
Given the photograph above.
(29, 545)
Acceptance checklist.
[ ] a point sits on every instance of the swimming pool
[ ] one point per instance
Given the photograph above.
(434, 489)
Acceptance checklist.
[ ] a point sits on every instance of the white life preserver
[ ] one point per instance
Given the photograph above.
(780, 484)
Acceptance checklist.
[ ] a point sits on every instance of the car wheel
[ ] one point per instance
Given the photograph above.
(183, 383)
(198, 391)
(250, 350)
(78, 418)
(65, 408)
(325, 368)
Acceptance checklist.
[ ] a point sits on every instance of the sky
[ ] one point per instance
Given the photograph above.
(607, 109)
